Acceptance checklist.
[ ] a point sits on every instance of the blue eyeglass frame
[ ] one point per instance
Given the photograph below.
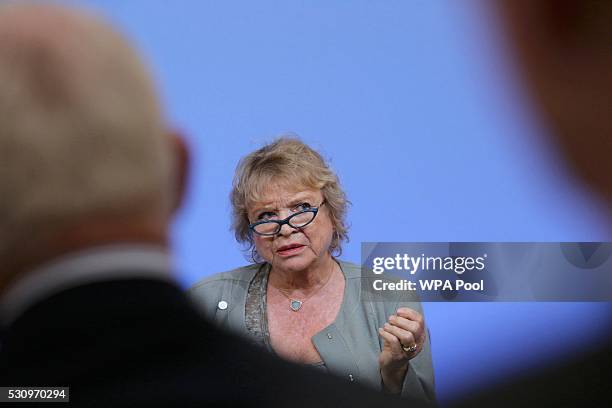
(280, 223)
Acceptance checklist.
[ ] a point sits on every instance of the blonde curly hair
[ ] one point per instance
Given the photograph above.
(286, 161)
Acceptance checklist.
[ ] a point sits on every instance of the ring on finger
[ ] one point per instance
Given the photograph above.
(410, 349)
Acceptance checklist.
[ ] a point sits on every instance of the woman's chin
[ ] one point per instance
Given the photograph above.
(295, 263)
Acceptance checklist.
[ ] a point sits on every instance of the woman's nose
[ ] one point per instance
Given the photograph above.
(286, 230)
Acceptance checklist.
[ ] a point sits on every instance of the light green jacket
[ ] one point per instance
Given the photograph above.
(350, 346)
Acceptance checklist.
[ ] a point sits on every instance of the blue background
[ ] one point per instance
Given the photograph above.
(419, 109)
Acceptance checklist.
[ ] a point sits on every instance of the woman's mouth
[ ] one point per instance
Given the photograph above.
(292, 249)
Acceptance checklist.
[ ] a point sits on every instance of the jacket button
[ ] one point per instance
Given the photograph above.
(222, 305)
(329, 336)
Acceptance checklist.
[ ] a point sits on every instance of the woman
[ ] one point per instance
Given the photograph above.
(296, 299)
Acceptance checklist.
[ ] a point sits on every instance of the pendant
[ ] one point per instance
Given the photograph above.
(295, 304)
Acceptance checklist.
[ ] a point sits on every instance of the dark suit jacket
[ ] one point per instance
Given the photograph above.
(142, 343)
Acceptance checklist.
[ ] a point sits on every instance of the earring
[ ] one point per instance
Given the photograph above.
(254, 254)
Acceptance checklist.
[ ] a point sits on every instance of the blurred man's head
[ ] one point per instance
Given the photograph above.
(82, 138)
(565, 51)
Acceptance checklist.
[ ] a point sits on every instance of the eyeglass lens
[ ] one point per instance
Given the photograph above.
(297, 220)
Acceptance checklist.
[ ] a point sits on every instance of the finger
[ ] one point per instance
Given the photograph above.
(410, 314)
(415, 328)
(391, 340)
(404, 337)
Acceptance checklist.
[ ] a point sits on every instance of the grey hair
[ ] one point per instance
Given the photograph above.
(289, 161)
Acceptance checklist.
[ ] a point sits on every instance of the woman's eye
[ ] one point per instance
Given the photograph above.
(303, 206)
(266, 215)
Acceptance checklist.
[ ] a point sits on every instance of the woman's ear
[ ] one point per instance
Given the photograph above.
(335, 242)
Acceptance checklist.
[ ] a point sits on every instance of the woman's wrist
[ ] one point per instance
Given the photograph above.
(393, 377)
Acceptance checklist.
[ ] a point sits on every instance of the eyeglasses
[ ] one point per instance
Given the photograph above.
(298, 220)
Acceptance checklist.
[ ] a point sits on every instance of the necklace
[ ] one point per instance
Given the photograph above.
(296, 304)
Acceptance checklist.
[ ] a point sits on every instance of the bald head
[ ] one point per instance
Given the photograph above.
(81, 133)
